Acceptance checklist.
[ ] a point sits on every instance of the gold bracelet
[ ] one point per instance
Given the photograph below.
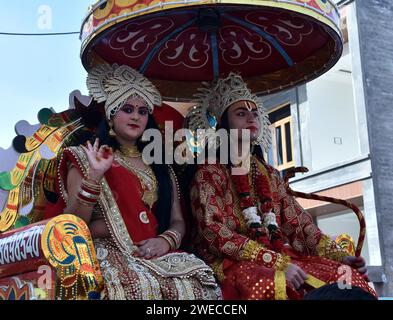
(168, 239)
(176, 237)
(93, 186)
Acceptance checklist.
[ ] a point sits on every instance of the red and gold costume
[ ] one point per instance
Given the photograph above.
(249, 269)
(176, 275)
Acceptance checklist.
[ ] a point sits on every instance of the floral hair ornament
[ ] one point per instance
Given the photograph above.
(213, 99)
(115, 84)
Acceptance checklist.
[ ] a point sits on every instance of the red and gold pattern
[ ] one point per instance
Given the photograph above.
(222, 240)
(119, 8)
(278, 44)
(176, 275)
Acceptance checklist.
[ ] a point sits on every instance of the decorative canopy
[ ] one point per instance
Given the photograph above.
(275, 45)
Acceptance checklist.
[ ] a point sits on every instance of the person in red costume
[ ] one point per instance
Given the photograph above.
(259, 241)
(132, 209)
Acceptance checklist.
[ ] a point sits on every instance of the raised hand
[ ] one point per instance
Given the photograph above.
(100, 159)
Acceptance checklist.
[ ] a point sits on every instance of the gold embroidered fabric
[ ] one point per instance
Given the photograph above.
(328, 248)
(109, 207)
(146, 177)
(314, 282)
(254, 251)
(282, 262)
(217, 267)
(280, 286)
(220, 237)
(172, 276)
(175, 276)
(251, 250)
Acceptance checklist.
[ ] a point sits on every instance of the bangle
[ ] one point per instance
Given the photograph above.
(169, 240)
(88, 193)
(91, 201)
(91, 185)
(175, 237)
(175, 234)
(87, 203)
(93, 192)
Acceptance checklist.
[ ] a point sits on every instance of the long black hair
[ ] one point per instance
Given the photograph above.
(161, 171)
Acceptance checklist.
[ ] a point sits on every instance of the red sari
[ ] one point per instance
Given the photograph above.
(246, 268)
(176, 275)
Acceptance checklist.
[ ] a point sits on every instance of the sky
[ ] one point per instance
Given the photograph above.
(38, 71)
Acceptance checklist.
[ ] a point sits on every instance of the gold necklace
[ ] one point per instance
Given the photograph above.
(130, 151)
(146, 177)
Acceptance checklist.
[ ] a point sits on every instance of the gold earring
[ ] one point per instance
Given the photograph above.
(112, 132)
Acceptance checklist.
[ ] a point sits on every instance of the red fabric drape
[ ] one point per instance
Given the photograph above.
(127, 192)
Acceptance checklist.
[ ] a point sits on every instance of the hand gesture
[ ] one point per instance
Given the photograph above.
(100, 159)
(295, 276)
(152, 248)
(358, 263)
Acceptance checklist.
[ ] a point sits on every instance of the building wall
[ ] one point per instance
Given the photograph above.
(333, 128)
(335, 107)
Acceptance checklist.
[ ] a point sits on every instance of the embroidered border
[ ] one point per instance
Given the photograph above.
(175, 181)
(217, 267)
(327, 248)
(251, 250)
(113, 217)
(280, 286)
(314, 282)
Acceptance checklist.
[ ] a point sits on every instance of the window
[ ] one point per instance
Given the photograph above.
(281, 154)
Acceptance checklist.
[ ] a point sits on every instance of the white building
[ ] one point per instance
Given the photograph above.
(329, 136)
